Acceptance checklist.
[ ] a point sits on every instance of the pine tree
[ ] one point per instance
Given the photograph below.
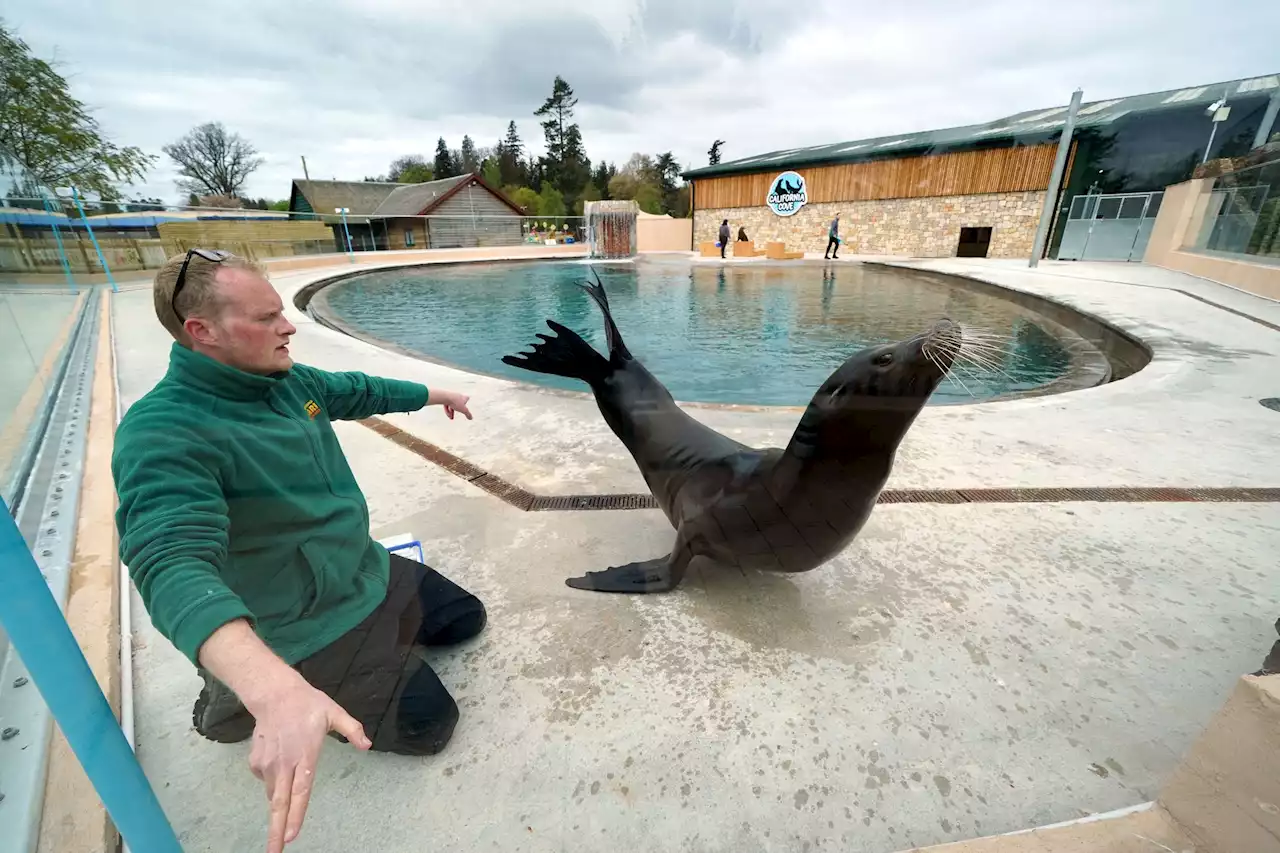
(470, 162)
(565, 165)
(713, 153)
(444, 166)
(510, 163)
(603, 174)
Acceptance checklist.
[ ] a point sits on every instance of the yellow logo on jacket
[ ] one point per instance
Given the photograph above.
(312, 408)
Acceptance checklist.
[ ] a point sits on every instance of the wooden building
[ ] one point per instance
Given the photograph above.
(459, 212)
(979, 190)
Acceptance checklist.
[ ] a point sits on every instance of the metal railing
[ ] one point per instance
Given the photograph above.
(1240, 215)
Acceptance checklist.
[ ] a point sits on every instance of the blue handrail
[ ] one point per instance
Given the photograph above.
(39, 632)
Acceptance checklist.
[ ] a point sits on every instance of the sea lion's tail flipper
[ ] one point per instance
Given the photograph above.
(566, 354)
(617, 349)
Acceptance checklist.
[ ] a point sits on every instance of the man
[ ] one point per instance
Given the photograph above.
(247, 536)
(724, 236)
(833, 239)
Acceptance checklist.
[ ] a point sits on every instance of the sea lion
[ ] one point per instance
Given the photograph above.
(777, 509)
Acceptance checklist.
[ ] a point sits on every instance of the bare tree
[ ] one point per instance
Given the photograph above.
(212, 161)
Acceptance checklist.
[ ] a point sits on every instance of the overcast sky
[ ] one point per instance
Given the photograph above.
(352, 84)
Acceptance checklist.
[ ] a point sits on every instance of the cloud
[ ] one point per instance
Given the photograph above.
(352, 84)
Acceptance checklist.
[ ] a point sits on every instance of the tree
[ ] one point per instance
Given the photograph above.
(213, 161)
(637, 171)
(668, 174)
(491, 171)
(534, 173)
(603, 174)
(526, 199)
(470, 162)
(589, 193)
(713, 153)
(509, 158)
(550, 201)
(649, 197)
(50, 135)
(409, 169)
(565, 164)
(444, 166)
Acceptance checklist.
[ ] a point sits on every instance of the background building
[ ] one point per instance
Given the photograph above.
(464, 211)
(979, 190)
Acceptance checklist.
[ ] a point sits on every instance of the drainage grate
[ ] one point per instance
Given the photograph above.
(548, 503)
(921, 496)
(529, 502)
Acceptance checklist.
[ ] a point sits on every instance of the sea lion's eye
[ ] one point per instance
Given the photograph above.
(883, 359)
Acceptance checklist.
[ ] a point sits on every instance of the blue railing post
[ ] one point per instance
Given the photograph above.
(75, 194)
(62, 252)
(41, 636)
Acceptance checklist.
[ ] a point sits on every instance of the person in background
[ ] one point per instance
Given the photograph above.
(833, 239)
(742, 235)
(724, 236)
(247, 535)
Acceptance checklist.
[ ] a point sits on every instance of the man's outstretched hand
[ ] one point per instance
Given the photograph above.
(451, 400)
(292, 725)
(292, 720)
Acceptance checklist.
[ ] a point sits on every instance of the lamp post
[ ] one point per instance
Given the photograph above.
(344, 211)
(74, 195)
(1218, 111)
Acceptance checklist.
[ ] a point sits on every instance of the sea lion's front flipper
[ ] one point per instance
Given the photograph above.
(662, 574)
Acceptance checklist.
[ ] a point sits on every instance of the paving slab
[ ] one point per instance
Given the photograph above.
(958, 671)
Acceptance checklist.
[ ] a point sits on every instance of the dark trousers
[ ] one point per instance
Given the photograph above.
(373, 672)
(833, 242)
(724, 244)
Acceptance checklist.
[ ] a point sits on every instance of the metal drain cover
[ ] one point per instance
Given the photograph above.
(1272, 403)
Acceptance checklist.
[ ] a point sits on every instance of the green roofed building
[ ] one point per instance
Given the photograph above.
(978, 190)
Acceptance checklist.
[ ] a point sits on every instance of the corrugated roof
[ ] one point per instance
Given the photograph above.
(413, 199)
(1029, 127)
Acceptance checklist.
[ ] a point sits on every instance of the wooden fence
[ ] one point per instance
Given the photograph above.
(253, 239)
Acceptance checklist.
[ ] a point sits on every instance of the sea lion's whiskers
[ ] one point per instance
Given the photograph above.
(982, 361)
(989, 366)
(954, 373)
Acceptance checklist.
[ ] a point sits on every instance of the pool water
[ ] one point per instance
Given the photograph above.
(741, 334)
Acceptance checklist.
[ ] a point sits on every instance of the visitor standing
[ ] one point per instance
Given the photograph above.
(833, 239)
(724, 236)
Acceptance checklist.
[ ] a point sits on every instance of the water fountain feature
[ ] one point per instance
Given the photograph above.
(611, 228)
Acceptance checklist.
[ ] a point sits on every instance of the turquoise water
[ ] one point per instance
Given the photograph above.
(741, 334)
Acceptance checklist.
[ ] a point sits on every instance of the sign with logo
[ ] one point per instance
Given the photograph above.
(787, 194)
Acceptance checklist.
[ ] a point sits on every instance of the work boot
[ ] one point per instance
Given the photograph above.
(1271, 665)
(219, 715)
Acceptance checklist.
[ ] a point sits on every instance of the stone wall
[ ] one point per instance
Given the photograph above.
(917, 227)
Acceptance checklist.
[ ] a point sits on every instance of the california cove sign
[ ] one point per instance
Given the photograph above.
(787, 194)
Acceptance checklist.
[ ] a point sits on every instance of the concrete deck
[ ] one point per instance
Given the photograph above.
(958, 671)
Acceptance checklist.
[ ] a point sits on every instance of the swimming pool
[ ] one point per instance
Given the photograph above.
(739, 334)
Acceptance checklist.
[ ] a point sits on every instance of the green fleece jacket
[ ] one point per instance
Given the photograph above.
(237, 501)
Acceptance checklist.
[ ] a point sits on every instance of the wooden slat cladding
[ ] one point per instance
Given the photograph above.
(997, 170)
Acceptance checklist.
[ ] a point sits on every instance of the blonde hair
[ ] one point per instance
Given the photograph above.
(199, 291)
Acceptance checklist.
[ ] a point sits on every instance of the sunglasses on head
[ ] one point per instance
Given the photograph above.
(215, 256)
